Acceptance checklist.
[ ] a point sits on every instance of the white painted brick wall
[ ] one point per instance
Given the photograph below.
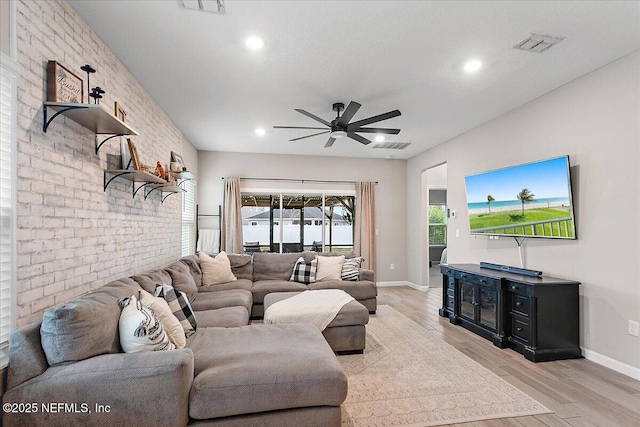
(74, 237)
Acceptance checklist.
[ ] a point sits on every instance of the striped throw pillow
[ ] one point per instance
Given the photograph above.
(304, 272)
(180, 307)
(140, 329)
(350, 269)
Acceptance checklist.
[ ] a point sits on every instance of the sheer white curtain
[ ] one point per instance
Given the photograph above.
(231, 236)
(364, 241)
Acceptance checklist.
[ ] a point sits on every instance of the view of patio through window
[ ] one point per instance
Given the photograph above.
(296, 222)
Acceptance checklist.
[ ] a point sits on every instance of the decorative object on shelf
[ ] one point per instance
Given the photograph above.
(125, 154)
(119, 112)
(96, 94)
(89, 70)
(135, 159)
(62, 84)
(159, 170)
(175, 167)
(175, 157)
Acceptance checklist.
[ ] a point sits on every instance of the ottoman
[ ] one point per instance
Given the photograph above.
(346, 334)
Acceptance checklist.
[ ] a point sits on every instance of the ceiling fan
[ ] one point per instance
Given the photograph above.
(340, 126)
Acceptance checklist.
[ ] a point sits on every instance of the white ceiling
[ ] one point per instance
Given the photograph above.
(385, 55)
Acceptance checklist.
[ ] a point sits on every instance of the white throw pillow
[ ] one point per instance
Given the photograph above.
(216, 270)
(170, 322)
(329, 268)
(140, 329)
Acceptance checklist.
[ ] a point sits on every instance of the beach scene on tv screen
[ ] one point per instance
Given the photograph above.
(525, 200)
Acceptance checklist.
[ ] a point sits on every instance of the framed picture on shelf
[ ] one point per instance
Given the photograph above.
(133, 151)
(119, 112)
(175, 157)
(125, 153)
(63, 85)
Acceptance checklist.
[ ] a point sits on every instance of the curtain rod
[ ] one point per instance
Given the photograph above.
(302, 181)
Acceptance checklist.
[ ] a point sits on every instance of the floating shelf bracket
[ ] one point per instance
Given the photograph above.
(139, 179)
(98, 146)
(47, 122)
(165, 189)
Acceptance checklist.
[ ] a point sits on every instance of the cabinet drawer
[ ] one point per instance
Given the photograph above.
(520, 304)
(477, 280)
(520, 328)
(450, 292)
(517, 288)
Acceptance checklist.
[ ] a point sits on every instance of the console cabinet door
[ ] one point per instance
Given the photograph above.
(488, 307)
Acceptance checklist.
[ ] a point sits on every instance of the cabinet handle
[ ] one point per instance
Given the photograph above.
(514, 287)
(518, 304)
(519, 329)
(483, 281)
(464, 276)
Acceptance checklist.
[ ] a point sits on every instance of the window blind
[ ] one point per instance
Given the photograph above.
(188, 218)
(7, 196)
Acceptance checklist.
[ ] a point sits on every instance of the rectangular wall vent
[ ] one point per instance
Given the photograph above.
(213, 6)
(392, 145)
(538, 43)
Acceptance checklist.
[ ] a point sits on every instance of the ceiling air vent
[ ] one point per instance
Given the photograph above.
(213, 6)
(392, 145)
(537, 43)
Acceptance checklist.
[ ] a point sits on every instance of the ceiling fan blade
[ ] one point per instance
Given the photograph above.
(296, 127)
(309, 136)
(377, 130)
(329, 142)
(348, 114)
(360, 139)
(314, 117)
(378, 118)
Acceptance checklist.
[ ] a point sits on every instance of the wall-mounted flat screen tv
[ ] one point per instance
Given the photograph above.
(528, 200)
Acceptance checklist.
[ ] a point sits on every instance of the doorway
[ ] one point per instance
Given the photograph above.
(433, 222)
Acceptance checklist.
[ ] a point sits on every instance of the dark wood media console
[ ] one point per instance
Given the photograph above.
(536, 316)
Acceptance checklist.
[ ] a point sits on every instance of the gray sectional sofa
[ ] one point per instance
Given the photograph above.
(69, 369)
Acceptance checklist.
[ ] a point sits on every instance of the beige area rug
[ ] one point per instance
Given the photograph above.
(409, 377)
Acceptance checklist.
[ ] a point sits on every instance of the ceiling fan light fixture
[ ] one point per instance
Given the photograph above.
(379, 138)
(338, 134)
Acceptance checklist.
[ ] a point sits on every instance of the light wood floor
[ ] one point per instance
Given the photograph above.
(580, 392)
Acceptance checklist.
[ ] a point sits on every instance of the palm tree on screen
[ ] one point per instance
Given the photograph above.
(525, 196)
(489, 200)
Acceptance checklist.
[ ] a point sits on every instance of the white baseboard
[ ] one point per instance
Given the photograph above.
(610, 363)
(403, 283)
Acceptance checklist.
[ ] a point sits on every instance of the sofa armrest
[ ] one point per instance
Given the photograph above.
(367, 275)
(149, 387)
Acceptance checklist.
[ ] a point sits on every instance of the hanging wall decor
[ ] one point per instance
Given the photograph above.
(63, 85)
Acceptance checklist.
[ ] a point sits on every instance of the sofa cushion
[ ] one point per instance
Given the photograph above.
(193, 262)
(214, 300)
(241, 266)
(236, 284)
(170, 322)
(179, 305)
(351, 269)
(149, 279)
(309, 255)
(304, 272)
(263, 287)
(140, 329)
(226, 317)
(272, 266)
(182, 280)
(216, 270)
(329, 268)
(278, 372)
(87, 326)
(362, 289)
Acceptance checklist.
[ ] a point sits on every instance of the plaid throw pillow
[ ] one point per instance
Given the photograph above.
(350, 269)
(304, 272)
(179, 305)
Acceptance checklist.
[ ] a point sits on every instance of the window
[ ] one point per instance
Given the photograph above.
(188, 218)
(7, 201)
(437, 225)
(301, 224)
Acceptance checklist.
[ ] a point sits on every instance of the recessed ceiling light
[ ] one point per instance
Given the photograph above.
(379, 138)
(254, 43)
(260, 132)
(472, 66)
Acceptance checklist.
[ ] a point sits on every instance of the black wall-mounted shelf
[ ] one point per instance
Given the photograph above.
(166, 190)
(138, 178)
(91, 116)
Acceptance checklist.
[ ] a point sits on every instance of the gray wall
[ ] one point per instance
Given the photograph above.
(391, 201)
(596, 121)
